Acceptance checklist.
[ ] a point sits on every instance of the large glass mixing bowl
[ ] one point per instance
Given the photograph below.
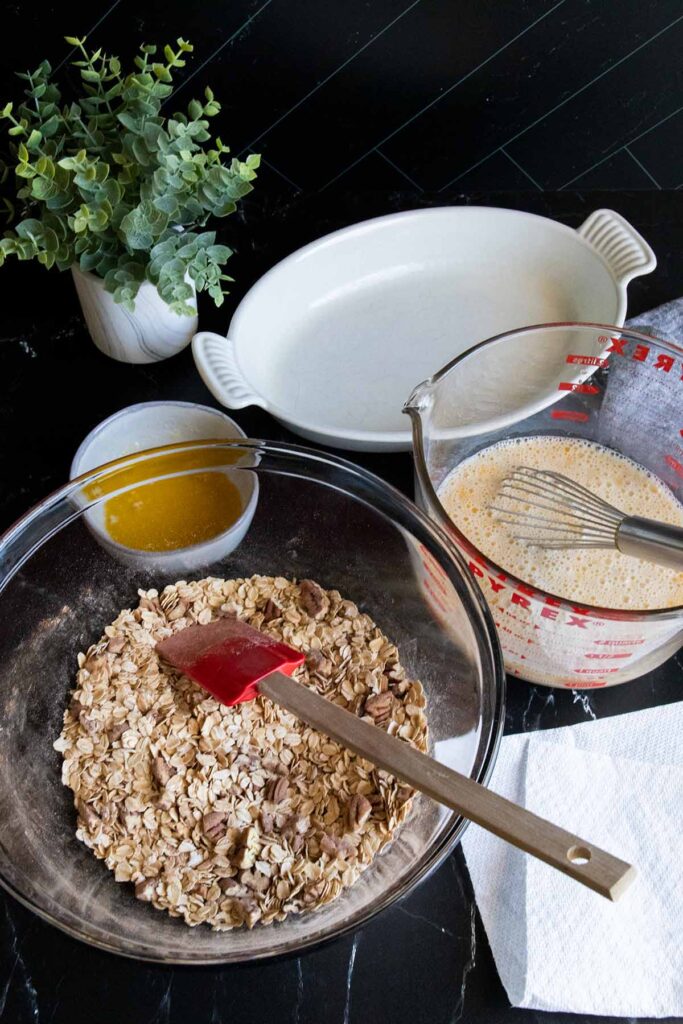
(619, 388)
(316, 516)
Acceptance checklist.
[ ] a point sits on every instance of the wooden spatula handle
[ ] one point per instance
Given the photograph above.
(576, 857)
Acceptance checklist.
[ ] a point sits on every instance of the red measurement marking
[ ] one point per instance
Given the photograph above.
(592, 671)
(617, 346)
(625, 654)
(567, 414)
(615, 643)
(664, 363)
(674, 463)
(587, 360)
(436, 572)
(584, 389)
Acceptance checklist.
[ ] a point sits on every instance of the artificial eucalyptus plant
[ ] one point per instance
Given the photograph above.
(109, 183)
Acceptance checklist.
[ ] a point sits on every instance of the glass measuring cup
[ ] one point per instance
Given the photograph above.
(618, 388)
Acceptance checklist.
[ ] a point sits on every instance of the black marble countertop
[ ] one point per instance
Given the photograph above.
(426, 959)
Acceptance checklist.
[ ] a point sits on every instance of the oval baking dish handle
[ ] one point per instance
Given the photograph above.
(626, 253)
(214, 357)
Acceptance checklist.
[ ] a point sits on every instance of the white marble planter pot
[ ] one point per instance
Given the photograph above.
(150, 333)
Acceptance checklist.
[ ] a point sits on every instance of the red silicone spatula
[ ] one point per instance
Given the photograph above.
(235, 662)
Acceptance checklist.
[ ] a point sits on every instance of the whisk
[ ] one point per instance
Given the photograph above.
(558, 513)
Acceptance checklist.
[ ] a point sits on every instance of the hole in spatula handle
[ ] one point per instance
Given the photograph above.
(578, 854)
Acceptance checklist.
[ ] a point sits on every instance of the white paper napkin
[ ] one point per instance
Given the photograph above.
(619, 783)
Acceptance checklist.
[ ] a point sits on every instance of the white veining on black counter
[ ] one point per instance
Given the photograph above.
(548, 700)
(584, 700)
(163, 1013)
(349, 977)
(469, 966)
(299, 990)
(18, 972)
(426, 920)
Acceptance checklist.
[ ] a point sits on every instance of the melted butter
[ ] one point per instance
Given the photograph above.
(173, 513)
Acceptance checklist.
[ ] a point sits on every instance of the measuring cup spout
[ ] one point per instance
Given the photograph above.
(420, 398)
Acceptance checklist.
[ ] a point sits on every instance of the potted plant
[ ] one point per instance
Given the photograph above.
(119, 193)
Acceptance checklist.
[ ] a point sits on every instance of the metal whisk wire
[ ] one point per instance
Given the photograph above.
(561, 513)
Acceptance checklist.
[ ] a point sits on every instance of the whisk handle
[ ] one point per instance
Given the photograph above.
(654, 541)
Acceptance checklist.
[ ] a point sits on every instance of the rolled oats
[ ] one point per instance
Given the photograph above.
(230, 816)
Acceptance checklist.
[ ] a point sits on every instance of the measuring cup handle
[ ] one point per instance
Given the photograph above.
(626, 253)
(656, 542)
(215, 359)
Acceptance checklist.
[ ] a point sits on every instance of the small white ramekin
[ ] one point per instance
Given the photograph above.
(149, 425)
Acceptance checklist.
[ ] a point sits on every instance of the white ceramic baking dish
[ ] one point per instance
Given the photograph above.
(332, 340)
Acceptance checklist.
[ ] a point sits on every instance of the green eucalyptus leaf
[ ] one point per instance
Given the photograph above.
(129, 121)
(140, 152)
(219, 253)
(162, 73)
(45, 166)
(50, 126)
(168, 204)
(42, 188)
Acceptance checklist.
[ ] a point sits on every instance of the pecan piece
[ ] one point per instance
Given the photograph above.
(317, 662)
(75, 708)
(93, 661)
(144, 890)
(161, 771)
(92, 820)
(116, 731)
(213, 824)
(271, 611)
(266, 822)
(226, 884)
(297, 843)
(379, 706)
(399, 687)
(277, 790)
(313, 599)
(358, 810)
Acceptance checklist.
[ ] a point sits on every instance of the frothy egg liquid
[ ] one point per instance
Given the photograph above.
(590, 576)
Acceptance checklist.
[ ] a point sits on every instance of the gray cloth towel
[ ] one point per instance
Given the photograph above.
(665, 322)
(642, 412)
